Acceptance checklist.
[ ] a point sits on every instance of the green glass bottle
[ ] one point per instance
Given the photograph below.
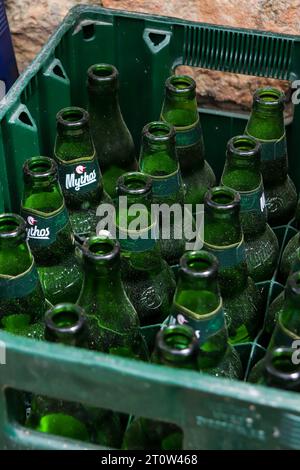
(242, 173)
(112, 139)
(78, 169)
(22, 301)
(223, 236)
(49, 231)
(148, 280)
(277, 304)
(180, 110)
(112, 319)
(198, 303)
(66, 324)
(279, 370)
(176, 346)
(158, 159)
(289, 260)
(266, 124)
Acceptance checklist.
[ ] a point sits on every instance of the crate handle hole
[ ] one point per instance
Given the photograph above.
(25, 119)
(57, 70)
(88, 31)
(157, 38)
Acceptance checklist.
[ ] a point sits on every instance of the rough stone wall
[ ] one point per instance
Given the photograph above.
(32, 21)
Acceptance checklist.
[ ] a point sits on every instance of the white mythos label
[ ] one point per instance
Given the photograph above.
(34, 232)
(84, 179)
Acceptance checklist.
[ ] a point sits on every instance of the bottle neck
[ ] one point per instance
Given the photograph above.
(15, 255)
(266, 120)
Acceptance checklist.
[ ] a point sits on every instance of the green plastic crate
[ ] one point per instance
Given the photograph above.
(214, 413)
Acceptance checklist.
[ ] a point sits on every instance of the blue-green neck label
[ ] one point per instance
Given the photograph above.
(42, 228)
(138, 240)
(79, 175)
(204, 326)
(187, 136)
(166, 185)
(230, 255)
(12, 287)
(272, 149)
(282, 337)
(253, 201)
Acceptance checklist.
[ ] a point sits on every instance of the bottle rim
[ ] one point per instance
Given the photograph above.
(200, 264)
(186, 332)
(244, 146)
(272, 369)
(17, 223)
(222, 199)
(180, 84)
(134, 183)
(40, 167)
(109, 251)
(269, 97)
(102, 73)
(159, 131)
(75, 314)
(72, 117)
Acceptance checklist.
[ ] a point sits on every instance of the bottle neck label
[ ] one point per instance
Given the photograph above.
(166, 185)
(187, 136)
(282, 336)
(204, 326)
(24, 284)
(253, 201)
(80, 175)
(42, 228)
(228, 256)
(138, 241)
(272, 149)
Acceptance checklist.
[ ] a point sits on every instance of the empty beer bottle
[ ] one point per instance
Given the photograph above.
(242, 173)
(158, 159)
(22, 301)
(279, 370)
(78, 170)
(198, 303)
(112, 139)
(176, 346)
(112, 319)
(66, 324)
(266, 124)
(180, 110)
(148, 279)
(223, 236)
(49, 231)
(289, 257)
(277, 304)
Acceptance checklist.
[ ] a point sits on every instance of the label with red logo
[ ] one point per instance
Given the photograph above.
(79, 175)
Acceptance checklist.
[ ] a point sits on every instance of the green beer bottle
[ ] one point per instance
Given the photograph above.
(22, 301)
(223, 236)
(149, 281)
(158, 159)
(180, 110)
(266, 124)
(279, 370)
(112, 139)
(242, 173)
(112, 319)
(198, 303)
(66, 324)
(78, 170)
(277, 304)
(289, 257)
(49, 231)
(176, 346)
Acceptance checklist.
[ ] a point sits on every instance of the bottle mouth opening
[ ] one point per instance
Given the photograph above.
(280, 364)
(102, 73)
(201, 264)
(222, 199)
(181, 84)
(243, 146)
(12, 225)
(159, 131)
(40, 167)
(65, 318)
(72, 118)
(177, 340)
(134, 183)
(101, 248)
(269, 96)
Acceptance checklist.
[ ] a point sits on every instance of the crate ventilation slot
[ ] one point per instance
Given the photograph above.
(237, 51)
(25, 119)
(88, 31)
(156, 40)
(57, 70)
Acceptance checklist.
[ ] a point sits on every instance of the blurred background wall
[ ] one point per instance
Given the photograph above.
(32, 21)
